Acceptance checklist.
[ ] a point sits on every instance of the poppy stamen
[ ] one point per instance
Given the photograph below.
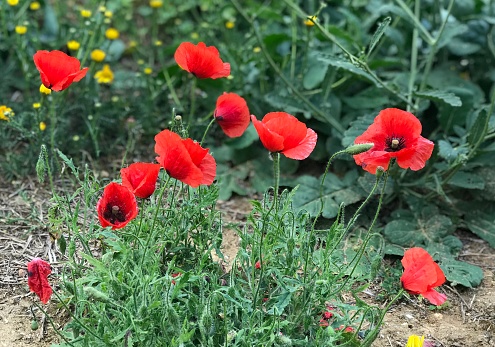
(394, 144)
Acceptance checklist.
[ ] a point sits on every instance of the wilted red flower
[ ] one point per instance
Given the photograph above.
(58, 70)
(38, 271)
(184, 159)
(324, 323)
(257, 266)
(232, 114)
(346, 329)
(140, 178)
(327, 314)
(201, 61)
(422, 274)
(395, 134)
(284, 133)
(117, 206)
(175, 275)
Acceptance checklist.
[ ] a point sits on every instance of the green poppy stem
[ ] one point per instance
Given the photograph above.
(276, 172)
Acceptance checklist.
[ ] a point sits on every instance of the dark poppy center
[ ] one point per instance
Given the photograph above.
(394, 144)
(114, 214)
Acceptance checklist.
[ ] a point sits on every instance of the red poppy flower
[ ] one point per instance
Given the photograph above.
(38, 271)
(58, 70)
(395, 134)
(201, 61)
(422, 274)
(140, 178)
(184, 159)
(117, 206)
(282, 132)
(232, 114)
(257, 266)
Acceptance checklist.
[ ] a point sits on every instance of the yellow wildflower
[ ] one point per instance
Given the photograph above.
(21, 29)
(194, 36)
(73, 45)
(104, 75)
(415, 341)
(156, 3)
(5, 113)
(158, 43)
(42, 126)
(229, 24)
(12, 2)
(112, 34)
(257, 49)
(85, 13)
(108, 14)
(98, 55)
(102, 8)
(45, 90)
(36, 105)
(147, 71)
(140, 61)
(34, 6)
(310, 21)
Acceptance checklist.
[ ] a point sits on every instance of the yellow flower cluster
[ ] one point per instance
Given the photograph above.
(5, 113)
(156, 3)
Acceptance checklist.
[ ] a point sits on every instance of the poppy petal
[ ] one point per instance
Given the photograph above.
(201, 61)
(140, 178)
(208, 167)
(270, 140)
(305, 147)
(38, 271)
(57, 69)
(434, 297)
(117, 206)
(232, 114)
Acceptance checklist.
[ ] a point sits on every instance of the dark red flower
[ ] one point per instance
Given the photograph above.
(58, 70)
(395, 134)
(38, 271)
(422, 274)
(175, 275)
(140, 178)
(184, 159)
(201, 61)
(117, 206)
(327, 314)
(284, 133)
(232, 114)
(324, 323)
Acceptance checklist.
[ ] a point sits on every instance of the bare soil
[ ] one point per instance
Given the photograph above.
(468, 321)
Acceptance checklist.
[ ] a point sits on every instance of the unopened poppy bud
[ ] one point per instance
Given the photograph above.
(178, 118)
(359, 148)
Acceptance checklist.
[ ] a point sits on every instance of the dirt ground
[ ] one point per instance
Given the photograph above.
(469, 321)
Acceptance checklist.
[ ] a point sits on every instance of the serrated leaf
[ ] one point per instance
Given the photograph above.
(450, 31)
(482, 224)
(479, 129)
(379, 33)
(68, 162)
(346, 65)
(467, 180)
(335, 192)
(449, 153)
(356, 128)
(440, 95)
(459, 272)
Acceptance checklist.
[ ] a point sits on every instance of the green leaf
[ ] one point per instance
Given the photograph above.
(346, 65)
(249, 136)
(50, 24)
(370, 98)
(379, 33)
(440, 95)
(68, 162)
(467, 180)
(315, 75)
(479, 129)
(115, 50)
(229, 180)
(459, 272)
(482, 224)
(334, 192)
(450, 31)
(356, 128)
(449, 153)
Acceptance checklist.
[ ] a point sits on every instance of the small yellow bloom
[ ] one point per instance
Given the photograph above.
(229, 24)
(42, 126)
(36, 105)
(98, 55)
(194, 36)
(415, 341)
(12, 2)
(156, 3)
(34, 6)
(112, 34)
(147, 71)
(73, 45)
(310, 21)
(158, 43)
(102, 8)
(21, 29)
(75, 138)
(104, 75)
(257, 49)
(108, 14)
(5, 113)
(45, 90)
(85, 13)
(140, 61)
